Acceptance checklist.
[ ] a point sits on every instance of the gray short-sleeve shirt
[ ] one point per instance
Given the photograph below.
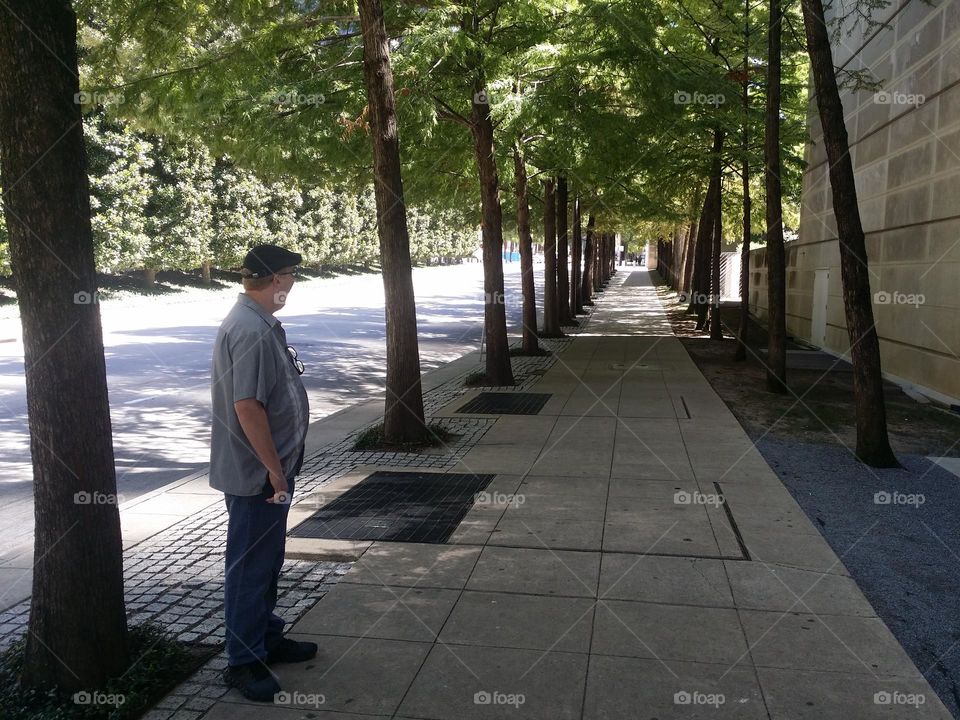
(250, 360)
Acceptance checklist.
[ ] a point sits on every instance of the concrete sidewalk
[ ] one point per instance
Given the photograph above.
(635, 558)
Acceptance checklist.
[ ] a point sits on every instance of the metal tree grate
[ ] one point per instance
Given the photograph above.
(502, 403)
(397, 507)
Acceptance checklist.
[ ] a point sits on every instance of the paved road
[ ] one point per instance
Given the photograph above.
(158, 367)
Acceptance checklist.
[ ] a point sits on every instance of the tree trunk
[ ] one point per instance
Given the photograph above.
(700, 290)
(776, 266)
(530, 344)
(873, 445)
(150, 276)
(403, 419)
(703, 236)
(595, 265)
(498, 369)
(576, 298)
(598, 262)
(563, 253)
(688, 258)
(551, 305)
(740, 354)
(77, 635)
(608, 258)
(716, 325)
(205, 271)
(604, 261)
(589, 251)
(597, 258)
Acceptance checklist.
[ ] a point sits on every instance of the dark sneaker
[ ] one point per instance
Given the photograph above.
(254, 681)
(292, 651)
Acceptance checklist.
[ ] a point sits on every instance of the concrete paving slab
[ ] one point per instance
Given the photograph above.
(803, 641)
(663, 536)
(619, 686)
(520, 621)
(497, 683)
(16, 585)
(548, 532)
(587, 405)
(380, 611)
(247, 711)
(324, 549)
(537, 572)
(668, 632)
(809, 552)
(759, 522)
(641, 495)
(558, 506)
(519, 430)
(805, 695)
(18, 556)
(355, 675)
(759, 586)
(476, 526)
(498, 459)
(636, 457)
(652, 578)
(593, 487)
(175, 503)
(414, 564)
(136, 527)
(198, 486)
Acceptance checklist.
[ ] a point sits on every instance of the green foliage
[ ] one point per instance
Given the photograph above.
(4, 246)
(160, 662)
(164, 203)
(239, 213)
(180, 213)
(610, 94)
(120, 189)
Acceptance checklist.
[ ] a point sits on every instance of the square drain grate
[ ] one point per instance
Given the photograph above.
(397, 507)
(501, 403)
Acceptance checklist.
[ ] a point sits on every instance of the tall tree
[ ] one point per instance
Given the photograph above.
(498, 369)
(403, 419)
(589, 252)
(776, 260)
(551, 301)
(873, 444)
(77, 633)
(576, 297)
(563, 254)
(528, 289)
(716, 324)
(700, 285)
(740, 353)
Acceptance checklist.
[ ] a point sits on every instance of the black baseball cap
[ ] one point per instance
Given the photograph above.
(264, 260)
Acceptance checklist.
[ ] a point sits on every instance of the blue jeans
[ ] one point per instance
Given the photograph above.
(256, 536)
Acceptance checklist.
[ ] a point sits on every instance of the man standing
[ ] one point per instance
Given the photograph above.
(260, 420)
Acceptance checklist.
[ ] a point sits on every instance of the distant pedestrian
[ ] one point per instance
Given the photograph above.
(260, 419)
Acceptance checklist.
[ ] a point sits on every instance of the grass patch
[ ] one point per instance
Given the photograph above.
(373, 439)
(477, 379)
(160, 663)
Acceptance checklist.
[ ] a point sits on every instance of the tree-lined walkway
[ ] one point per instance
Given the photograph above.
(634, 557)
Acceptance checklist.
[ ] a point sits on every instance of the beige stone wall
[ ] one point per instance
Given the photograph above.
(906, 156)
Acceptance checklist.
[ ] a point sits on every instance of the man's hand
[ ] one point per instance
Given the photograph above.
(281, 490)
